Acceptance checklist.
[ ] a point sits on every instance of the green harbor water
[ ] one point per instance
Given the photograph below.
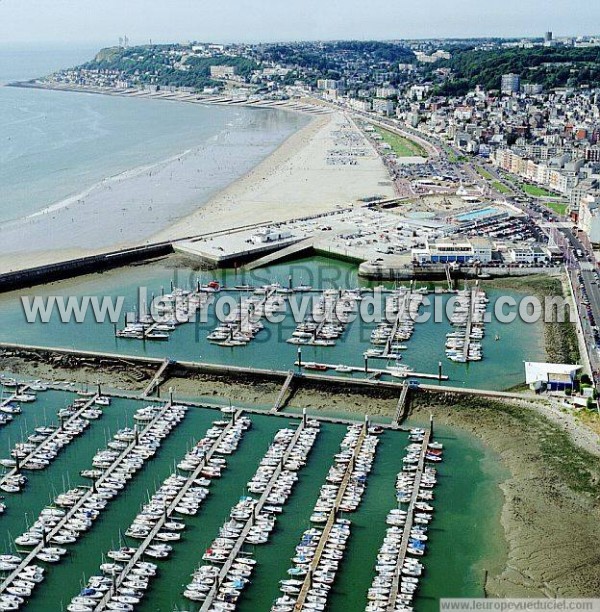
(57, 151)
(465, 537)
(501, 368)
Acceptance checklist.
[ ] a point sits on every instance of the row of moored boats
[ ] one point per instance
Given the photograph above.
(468, 318)
(227, 569)
(45, 443)
(321, 550)
(169, 311)
(125, 577)
(399, 568)
(327, 321)
(73, 512)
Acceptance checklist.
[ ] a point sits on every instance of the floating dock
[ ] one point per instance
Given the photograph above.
(307, 584)
(408, 525)
(40, 447)
(159, 524)
(78, 504)
(367, 370)
(235, 551)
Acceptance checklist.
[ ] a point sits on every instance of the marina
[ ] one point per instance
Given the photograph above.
(328, 320)
(274, 479)
(43, 446)
(187, 488)
(243, 323)
(319, 554)
(278, 345)
(79, 507)
(157, 319)
(188, 342)
(399, 568)
(179, 495)
(401, 307)
(468, 319)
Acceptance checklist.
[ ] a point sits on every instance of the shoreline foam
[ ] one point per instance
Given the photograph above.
(292, 178)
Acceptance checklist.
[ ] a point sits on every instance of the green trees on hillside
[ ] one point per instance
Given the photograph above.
(549, 66)
(155, 64)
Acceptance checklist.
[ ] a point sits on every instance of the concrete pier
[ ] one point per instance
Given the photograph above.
(402, 406)
(282, 393)
(220, 369)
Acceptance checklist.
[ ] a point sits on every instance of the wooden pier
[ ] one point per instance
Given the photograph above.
(307, 585)
(408, 525)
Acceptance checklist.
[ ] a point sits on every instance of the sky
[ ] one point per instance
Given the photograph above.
(103, 21)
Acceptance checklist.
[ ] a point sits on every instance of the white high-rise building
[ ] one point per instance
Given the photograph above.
(511, 83)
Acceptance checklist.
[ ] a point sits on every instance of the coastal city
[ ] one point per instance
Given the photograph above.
(304, 324)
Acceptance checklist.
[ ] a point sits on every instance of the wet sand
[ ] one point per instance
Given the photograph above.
(551, 510)
(134, 208)
(551, 505)
(58, 368)
(295, 181)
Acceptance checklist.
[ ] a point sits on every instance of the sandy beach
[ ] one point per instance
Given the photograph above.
(295, 181)
(149, 203)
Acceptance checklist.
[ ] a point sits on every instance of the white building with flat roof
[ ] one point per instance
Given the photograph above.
(455, 250)
(553, 376)
(383, 106)
(222, 72)
(270, 234)
(589, 217)
(511, 83)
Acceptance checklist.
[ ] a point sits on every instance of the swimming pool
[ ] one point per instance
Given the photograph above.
(477, 214)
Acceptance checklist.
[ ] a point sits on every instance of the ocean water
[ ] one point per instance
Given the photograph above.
(22, 61)
(57, 148)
